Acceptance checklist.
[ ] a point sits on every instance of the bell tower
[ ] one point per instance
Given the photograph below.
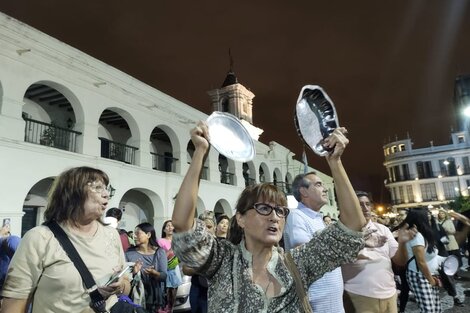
(233, 97)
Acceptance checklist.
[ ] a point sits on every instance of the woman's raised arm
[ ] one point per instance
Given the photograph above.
(350, 212)
(186, 200)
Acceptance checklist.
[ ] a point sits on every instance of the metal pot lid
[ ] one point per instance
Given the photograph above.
(450, 265)
(315, 118)
(230, 137)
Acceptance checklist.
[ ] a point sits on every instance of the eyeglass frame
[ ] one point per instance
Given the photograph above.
(275, 208)
(100, 188)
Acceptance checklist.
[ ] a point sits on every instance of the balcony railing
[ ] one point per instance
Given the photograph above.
(50, 135)
(227, 178)
(117, 151)
(439, 174)
(164, 163)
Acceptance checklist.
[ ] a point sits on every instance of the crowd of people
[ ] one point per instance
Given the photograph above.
(266, 258)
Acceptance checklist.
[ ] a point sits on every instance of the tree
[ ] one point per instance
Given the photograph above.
(460, 204)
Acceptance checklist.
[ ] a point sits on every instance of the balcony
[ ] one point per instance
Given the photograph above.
(227, 178)
(50, 135)
(117, 151)
(164, 163)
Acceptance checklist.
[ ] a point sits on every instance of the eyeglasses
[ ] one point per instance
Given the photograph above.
(266, 209)
(98, 187)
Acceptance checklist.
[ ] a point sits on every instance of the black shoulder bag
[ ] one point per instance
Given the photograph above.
(98, 303)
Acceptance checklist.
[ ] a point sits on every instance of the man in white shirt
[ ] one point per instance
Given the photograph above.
(369, 282)
(326, 294)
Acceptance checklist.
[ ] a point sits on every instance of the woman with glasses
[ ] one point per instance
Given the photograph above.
(247, 272)
(42, 273)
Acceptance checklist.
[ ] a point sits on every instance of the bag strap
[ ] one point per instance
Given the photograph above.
(409, 261)
(294, 271)
(96, 298)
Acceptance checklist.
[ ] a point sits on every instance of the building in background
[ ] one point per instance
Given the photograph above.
(435, 175)
(430, 176)
(61, 108)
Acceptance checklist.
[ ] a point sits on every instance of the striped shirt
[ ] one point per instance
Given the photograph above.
(325, 294)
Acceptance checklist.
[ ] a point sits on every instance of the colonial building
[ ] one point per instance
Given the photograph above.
(61, 108)
(427, 176)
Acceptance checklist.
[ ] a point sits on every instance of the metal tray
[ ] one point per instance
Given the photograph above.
(230, 137)
(315, 118)
(450, 265)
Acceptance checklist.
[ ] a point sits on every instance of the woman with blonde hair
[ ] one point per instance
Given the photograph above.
(446, 223)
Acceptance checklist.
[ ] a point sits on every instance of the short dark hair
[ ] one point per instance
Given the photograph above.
(360, 193)
(222, 217)
(299, 182)
(114, 212)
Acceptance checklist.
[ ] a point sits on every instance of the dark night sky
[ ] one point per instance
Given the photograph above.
(389, 66)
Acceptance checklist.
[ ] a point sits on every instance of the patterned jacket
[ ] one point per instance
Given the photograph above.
(228, 267)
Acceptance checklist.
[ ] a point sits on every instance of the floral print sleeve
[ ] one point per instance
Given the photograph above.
(199, 249)
(327, 250)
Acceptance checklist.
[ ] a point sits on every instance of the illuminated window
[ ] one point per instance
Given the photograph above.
(451, 189)
(428, 192)
(409, 192)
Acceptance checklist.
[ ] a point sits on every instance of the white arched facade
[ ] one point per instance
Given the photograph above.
(101, 117)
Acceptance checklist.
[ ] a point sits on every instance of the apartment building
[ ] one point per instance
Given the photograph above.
(427, 176)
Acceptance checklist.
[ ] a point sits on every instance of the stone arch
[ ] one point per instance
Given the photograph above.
(51, 112)
(117, 130)
(222, 207)
(200, 207)
(264, 173)
(73, 101)
(277, 178)
(35, 203)
(165, 148)
(288, 181)
(140, 205)
(249, 173)
(227, 170)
